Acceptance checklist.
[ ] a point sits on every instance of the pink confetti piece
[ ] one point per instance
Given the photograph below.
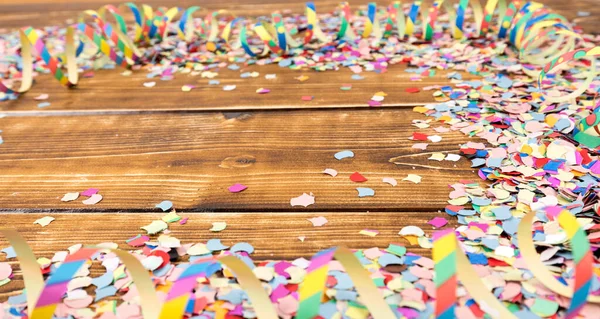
(263, 91)
(41, 97)
(307, 98)
(183, 221)
(236, 188)
(420, 146)
(438, 222)
(93, 200)
(89, 192)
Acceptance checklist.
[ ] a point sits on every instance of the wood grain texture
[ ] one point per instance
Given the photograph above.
(274, 236)
(109, 91)
(139, 160)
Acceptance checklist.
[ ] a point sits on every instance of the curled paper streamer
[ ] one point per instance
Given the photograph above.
(587, 131)
(450, 264)
(450, 261)
(581, 255)
(540, 35)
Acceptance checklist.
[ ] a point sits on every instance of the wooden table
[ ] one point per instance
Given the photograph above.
(141, 146)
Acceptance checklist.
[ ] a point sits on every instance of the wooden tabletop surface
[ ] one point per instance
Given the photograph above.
(141, 146)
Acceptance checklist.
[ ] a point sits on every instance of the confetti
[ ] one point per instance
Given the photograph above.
(330, 171)
(70, 197)
(390, 181)
(412, 90)
(187, 88)
(149, 84)
(438, 222)
(93, 200)
(44, 221)
(41, 97)
(165, 205)
(365, 192)
(343, 154)
(43, 104)
(357, 177)
(307, 98)
(155, 227)
(346, 87)
(437, 156)
(304, 200)
(229, 87)
(218, 226)
(89, 192)
(236, 188)
(368, 232)
(302, 78)
(318, 221)
(413, 178)
(262, 91)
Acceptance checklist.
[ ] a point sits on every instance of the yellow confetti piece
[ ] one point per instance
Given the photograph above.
(187, 88)
(302, 78)
(370, 233)
(413, 178)
(459, 201)
(218, 226)
(171, 217)
(437, 157)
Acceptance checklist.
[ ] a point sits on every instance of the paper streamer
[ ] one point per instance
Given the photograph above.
(539, 35)
(313, 287)
(444, 258)
(450, 264)
(581, 253)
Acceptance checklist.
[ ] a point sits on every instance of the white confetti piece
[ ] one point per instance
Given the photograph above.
(390, 180)
(44, 221)
(303, 200)
(434, 138)
(318, 221)
(70, 197)
(229, 87)
(330, 171)
(452, 157)
(149, 84)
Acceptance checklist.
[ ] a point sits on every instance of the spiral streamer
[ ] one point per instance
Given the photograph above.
(450, 264)
(541, 36)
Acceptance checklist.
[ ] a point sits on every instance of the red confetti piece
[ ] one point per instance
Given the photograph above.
(413, 90)
(357, 177)
(419, 136)
(307, 98)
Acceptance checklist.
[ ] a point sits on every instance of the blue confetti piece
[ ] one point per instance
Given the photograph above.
(215, 244)
(43, 105)
(491, 243)
(477, 259)
(389, 259)
(242, 247)
(233, 67)
(476, 162)
(466, 212)
(504, 82)
(357, 77)
(214, 82)
(10, 252)
(346, 295)
(343, 280)
(102, 293)
(365, 191)
(235, 297)
(165, 205)
(510, 225)
(343, 154)
(502, 213)
(103, 281)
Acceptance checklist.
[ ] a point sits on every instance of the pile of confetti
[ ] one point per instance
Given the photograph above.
(523, 147)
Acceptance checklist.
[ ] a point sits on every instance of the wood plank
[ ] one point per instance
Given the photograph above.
(139, 160)
(273, 235)
(110, 91)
